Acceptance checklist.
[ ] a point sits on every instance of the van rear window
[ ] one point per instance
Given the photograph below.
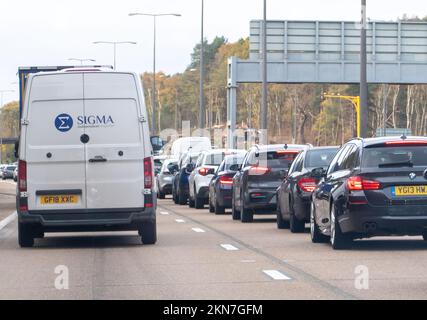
(411, 156)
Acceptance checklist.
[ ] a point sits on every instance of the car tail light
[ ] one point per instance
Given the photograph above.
(259, 171)
(22, 185)
(406, 143)
(307, 184)
(203, 171)
(226, 180)
(359, 184)
(148, 173)
(294, 152)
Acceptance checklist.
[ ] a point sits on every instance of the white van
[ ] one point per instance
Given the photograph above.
(85, 157)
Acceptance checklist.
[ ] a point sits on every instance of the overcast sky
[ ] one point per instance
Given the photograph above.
(48, 32)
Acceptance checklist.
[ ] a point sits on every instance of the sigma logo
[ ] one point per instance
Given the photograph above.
(95, 121)
(64, 122)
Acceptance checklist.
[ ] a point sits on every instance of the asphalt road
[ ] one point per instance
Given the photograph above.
(188, 262)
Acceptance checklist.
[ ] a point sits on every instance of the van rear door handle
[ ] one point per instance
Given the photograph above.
(98, 159)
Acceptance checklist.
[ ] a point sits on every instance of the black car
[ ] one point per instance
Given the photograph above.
(180, 185)
(294, 194)
(255, 184)
(7, 172)
(221, 185)
(373, 187)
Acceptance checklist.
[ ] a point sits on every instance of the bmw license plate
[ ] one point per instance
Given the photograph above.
(409, 191)
(54, 200)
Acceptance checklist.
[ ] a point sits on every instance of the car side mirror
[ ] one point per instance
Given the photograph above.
(190, 167)
(172, 168)
(235, 167)
(17, 149)
(319, 173)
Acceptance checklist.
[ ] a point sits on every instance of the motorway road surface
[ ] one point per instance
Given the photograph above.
(203, 256)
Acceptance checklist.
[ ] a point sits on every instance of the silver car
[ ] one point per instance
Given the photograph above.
(164, 178)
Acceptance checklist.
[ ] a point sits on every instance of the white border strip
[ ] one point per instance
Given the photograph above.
(276, 275)
(229, 247)
(8, 220)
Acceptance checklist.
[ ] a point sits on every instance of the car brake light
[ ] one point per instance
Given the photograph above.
(203, 171)
(406, 143)
(360, 184)
(226, 180)
(259, 171)
(148, 173)
(307, 184)
(290, 152)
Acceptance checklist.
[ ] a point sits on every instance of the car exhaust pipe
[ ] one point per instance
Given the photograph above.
(370, 227)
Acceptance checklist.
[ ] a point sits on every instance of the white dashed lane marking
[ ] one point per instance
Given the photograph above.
(164, 213)
(229, 247)
(180, 221)
(276, 275)
(198, 230)
(8, 220)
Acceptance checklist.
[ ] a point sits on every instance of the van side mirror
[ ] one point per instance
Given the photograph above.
(17, 149)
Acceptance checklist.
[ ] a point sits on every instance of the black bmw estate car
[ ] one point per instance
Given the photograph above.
(373, 187)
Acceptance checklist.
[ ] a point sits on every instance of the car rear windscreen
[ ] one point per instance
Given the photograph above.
(214, 159)
(395, 157)
(320, 158)
(233, 160)
(277, 159)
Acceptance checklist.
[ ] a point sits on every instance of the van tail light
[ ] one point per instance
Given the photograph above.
(359, 184)
(22, 186)
(148, 182)
(307, 184)
(203, 171)
(259, 171)
(148, 173)
(226, 181)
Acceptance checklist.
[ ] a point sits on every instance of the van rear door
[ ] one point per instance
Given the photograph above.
(115, 151)
(54, 154)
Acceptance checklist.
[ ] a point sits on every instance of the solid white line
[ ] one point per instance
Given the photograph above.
(229, 247)
(180, 221)
(8, 220)
(276, 275)
(198, 230)
(164, 213)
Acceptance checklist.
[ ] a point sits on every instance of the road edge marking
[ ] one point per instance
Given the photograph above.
(5, 222)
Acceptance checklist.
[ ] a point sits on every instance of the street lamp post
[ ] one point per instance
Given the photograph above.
(363, 76)
(202, 110)
(81, 60)
(264, 102)
(114, 44)
(153, 96)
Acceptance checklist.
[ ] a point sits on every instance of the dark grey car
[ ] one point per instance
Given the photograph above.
(262, 172)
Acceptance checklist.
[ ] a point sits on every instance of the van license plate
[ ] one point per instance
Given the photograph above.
(410, 191)
(49, 200)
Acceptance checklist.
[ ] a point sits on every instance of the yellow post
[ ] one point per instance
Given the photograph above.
(355, 101)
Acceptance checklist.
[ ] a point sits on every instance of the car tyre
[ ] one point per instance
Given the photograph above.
(281, 223)
(296, 225)
(148, 233)
(161, 195)
(219, 209)
(25, 235)
(315, 234)
(235, 214)
(246, 216)
(339, 240)
(211, 207)
(182, 199)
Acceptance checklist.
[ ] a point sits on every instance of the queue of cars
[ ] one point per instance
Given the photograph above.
(8, 171)
(366, 188)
